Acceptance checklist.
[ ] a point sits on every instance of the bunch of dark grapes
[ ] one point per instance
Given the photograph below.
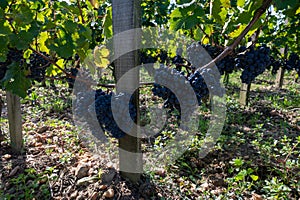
(105, 115)
(37, 67)
(167, 76)
(15, 55)
(226, 65)
(293, 62)
(199, 86)
(275, 65)
(212, 50)
(254, 62)
(91, 105)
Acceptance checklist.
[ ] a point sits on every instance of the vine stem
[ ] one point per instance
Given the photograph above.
(80, 10)
(266, 4)
(114, 85)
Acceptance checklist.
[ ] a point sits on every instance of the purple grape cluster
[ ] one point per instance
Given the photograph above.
(253, 62)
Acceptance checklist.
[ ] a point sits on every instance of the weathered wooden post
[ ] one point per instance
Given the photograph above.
(280, 72)
(15, 122)
(279, 77)
(126, 16)
(244, 94)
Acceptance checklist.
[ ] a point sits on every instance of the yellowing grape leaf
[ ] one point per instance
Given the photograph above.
(101, 56)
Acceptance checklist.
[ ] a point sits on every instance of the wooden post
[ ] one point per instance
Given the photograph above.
(126, 16)
(15, 122)
(279, 77)
(280, 72)
(244, 94)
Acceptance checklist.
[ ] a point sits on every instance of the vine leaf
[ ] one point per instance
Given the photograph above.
(16, 81)
(42, 38)
(101, 57)
(107, 23)
(3, 4)
(216, 10)
(3, 48)
(21, 40)
(240, 3)
(185, 18)
(24, 15)
(285, 4)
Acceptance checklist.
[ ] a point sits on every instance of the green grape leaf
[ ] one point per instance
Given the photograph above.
(5, 30)
(16, 81)
(63, 48)
(198, 34)
(34, 28)
(3, 4)
(285, 4)
(240, 3)
(243, 18)
(52, 71)
(24, 15)
(223, 14)
(70, 26)
(86, 32)
(107, 24)
(185, 18)
(290, 12)
(225, 3)
(175, 22)
(21, 40)
(216, 10)
(3, 48)
(241, 175)
(254, 177)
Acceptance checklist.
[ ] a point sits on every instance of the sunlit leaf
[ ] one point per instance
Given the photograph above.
(240, 3)
(254, 177)
(27, 53)
(237, 31)
(107, 23)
